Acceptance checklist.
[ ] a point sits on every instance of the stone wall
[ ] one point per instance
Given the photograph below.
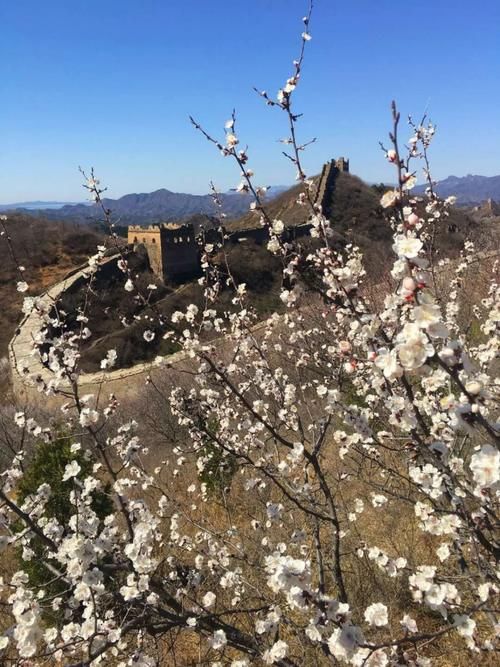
(125, 383)
(261, 234)
(342, 164)
(151, 239)
(327, 182)
(180, 251)
(25, 366)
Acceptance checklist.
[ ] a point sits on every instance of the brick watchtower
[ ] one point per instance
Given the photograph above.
(171, 247)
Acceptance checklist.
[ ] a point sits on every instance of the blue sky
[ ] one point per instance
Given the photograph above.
(110, 83)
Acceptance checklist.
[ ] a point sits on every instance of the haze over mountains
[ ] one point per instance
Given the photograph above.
(469, 190)
(35, 205)
(146, 208)
(164, 205)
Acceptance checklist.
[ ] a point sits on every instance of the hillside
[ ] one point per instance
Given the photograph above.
(356, 213)
(354, 204)
(283, 206)
(357, 216)
(109, 305)
(48, 250)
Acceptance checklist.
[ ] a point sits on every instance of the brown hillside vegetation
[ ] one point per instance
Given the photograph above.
(356, 214)
(47, 250)
(284, 206)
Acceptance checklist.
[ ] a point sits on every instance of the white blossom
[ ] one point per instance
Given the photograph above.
(218, 639)
(389, 198)
(71, 470)
(376, 614)
(407, 246)
(485, 466)
(277, 652)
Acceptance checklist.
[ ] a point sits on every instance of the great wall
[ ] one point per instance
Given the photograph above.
(28, 373)
(172, 250)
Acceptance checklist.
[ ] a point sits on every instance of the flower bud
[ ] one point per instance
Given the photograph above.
(413, 219)
(345, 346)
(409, 284)
(349, 367)
(392, 155)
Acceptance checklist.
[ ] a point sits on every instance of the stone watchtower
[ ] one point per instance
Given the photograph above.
(342, 164)
(171, 247)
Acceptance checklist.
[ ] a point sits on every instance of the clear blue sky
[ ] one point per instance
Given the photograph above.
(110, 83)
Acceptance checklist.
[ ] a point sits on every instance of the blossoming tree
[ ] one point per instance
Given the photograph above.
(318, 488)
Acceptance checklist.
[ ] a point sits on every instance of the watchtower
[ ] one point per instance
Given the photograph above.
(171, 247)
(342, 164)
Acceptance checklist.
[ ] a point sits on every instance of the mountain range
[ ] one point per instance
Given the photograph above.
(145, 208)
(35, 205)
(469, 190)
(164, 205)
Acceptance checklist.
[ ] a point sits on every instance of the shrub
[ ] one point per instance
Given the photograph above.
(43, 479)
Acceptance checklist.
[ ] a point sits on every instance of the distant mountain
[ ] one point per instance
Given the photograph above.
(36, 205)
(151, 207)
(469, 190)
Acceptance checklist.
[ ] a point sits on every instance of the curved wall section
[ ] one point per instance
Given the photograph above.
(26, 366)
